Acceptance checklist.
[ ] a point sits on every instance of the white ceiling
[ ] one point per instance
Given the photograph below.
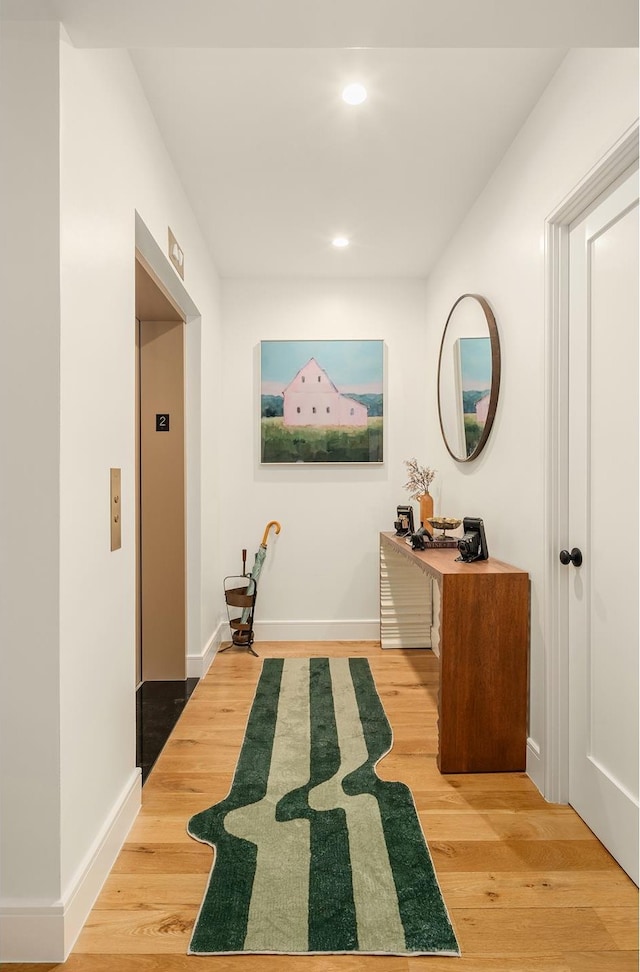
(246, 94)
(276, 165)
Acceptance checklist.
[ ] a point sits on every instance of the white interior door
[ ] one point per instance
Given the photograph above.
(603, 521)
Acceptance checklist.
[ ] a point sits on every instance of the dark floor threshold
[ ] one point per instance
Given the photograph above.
(158, 708)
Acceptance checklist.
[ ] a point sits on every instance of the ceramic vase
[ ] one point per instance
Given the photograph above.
(426, 509)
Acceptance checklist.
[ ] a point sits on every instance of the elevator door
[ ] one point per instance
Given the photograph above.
(160, 428)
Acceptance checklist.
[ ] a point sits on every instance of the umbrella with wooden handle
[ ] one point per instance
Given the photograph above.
(261, 553)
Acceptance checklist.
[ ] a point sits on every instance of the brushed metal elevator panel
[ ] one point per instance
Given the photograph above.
(116, 502)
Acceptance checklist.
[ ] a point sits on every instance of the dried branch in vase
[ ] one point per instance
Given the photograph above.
(420, 478)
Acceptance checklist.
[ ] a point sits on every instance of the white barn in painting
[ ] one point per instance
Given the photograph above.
(311, 398)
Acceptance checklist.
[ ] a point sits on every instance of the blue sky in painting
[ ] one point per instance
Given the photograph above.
(355, 366)
(475, 363)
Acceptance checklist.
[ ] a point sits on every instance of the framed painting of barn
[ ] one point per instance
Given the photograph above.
(321, 401)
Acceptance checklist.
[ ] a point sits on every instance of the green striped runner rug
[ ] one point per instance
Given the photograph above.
(314, 853)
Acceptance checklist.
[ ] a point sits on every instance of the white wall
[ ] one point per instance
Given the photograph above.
(320, 578)
(113, 164)
(72, 782)
(29, 477)
(499, 252)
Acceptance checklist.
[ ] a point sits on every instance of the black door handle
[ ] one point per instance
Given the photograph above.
(575, 557)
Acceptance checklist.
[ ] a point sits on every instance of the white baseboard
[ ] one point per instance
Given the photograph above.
(199, 665)
(535, 769)
(317, 630)
(41, 931)
(31, 932)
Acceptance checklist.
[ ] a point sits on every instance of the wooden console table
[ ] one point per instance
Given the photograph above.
(475, 617)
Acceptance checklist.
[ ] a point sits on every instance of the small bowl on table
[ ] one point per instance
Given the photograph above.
(444, 523)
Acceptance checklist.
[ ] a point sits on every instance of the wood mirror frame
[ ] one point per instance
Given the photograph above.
(495, 378)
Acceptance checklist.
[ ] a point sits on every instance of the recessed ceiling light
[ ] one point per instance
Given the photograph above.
(340, 242)
(354, 94)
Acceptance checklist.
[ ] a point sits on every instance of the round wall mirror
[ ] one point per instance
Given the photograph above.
(468, 377)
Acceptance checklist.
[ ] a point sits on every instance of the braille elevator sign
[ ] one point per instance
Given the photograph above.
(162, 423)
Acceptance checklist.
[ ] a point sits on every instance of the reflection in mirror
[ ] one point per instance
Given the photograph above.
(468, 377)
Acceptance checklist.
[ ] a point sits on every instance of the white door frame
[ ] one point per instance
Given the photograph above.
(605, 174)
(159, 264)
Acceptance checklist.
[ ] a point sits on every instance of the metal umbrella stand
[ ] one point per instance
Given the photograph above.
(240, 594)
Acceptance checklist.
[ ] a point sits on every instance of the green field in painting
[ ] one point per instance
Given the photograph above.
(306, 443)
(472, 432)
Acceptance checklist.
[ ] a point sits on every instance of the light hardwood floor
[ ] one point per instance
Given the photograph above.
(527, 885)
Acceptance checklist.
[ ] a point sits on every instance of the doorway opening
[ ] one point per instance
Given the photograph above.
(161, 665)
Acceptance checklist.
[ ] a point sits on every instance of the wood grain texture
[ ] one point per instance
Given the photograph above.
(528, 887)
(483, 648)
